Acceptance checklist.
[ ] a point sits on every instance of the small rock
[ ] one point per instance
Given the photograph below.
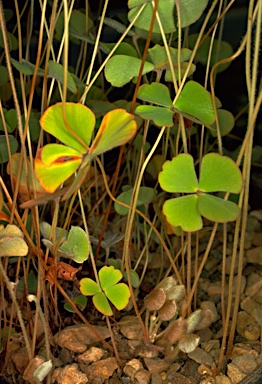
(91, 355)
(156, 378)
(77, 337)
(157, 366)
(253, 224)
(201, 357)
(248, 239)
(222, 379)
(66, 356)
(143, 376)
(210, 345)
(254, 284)
(247, 363)
(130, 327)
(132, 367)
(205, 334)
(234, 373)
(257, 214)
(247, 326)
(254, 255)
(69, 375)
(208, 380)
(257, 239)
(242, 349)
(102, 368)
(203, 370)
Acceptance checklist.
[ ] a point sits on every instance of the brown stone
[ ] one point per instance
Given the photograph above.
(69, 375)
(254, 255)
(102, 368)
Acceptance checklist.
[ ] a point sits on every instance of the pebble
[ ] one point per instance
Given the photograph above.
(102, 368)
(234, 373)
(254, 255)
(257, 239)
(91, 355)
(210, 345)
(247, 326)
(70, 374)
(130, 327)
(132, 367)
(253, 224)
(242, 349)
(254, 284)
(142, 376)
(157, 366)
(222, 379)
(247, 363)
(201, 357)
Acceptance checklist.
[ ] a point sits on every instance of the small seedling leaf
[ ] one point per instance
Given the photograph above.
(134, 278)
(101, 303)
(226, 123)
(89, 287)
(145, 196)
(4, 153)
(76, 245)
(45, 230)
(80, 301)
(76, 130)
(130, 67)
(183, 211)
(191, 10)
(109, 276)
(42, 371)
(178, 175)
(117, 127)
(162, 117)
(118, 295)
(196, 101)
(188, 343)
(155, 93)
(56, 71)
(216, 209)
(219, 173)
(165, 11)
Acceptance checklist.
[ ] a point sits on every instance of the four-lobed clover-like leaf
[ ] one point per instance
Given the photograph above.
(117, 293)
(217, 174)
(73, 124)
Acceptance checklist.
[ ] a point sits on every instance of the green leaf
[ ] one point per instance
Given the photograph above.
(34, 126)
(3, 75)
(76, 246)
(155, 93)
(191, 10)
(89, 287)
(183, 211)
(219, 173)
(159, 56)
(216, 209)
(80, 123)
(134, 278)
(118, 295)
(4, 156)
(220, 50)
(26, 68)
(56, 71)
(123, 48)
(80, 301)
(130, 67)
(109, 276)
(162, 117)
(12, 242)
(145, 196)
(226, 123)
(11, 119)
(165, 10)
(101, 303)
(195, 101)
(117, 127)
(183, 69)
(178, 175)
